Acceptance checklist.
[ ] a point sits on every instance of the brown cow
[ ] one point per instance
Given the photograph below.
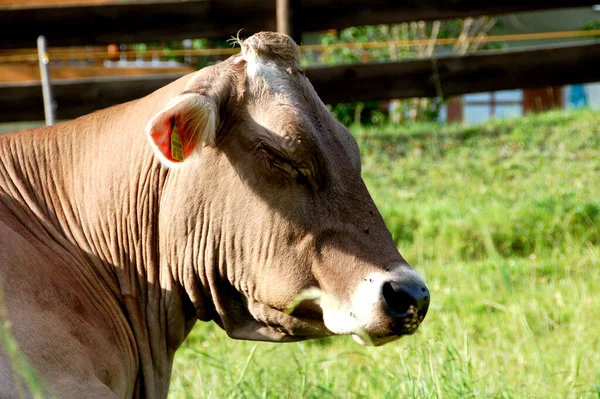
(221, 196)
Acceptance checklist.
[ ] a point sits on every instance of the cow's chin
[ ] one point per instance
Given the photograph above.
(265, 323)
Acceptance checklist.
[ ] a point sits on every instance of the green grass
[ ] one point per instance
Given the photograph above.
(503, 220)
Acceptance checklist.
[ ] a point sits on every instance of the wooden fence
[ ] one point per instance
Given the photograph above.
(129, 21)
(443, 76)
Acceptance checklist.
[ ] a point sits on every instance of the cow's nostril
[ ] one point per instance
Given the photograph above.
(398, 299)
(404, 299)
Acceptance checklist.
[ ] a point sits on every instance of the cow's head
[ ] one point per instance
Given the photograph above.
(265, 201)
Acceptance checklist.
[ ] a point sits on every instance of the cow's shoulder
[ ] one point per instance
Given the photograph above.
(61, 321)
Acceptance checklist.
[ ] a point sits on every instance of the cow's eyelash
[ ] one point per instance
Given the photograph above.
(274, 155)
(282, 162)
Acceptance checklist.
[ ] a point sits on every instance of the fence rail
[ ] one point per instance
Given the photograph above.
(445, 76)
(75, 97)
(159, 20)
(449, 76)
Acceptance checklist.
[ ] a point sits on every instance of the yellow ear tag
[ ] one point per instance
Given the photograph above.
(176, 145)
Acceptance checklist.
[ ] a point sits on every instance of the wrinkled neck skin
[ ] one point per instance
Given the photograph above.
(94, 186)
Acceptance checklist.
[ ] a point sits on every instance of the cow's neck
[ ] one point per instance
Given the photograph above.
(94, 186)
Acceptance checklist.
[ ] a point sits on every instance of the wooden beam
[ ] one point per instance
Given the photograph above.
(76, 97)
(449, 76)
(446, 76)
(130, 21)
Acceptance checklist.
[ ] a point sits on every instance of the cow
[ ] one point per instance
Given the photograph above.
(224, 196)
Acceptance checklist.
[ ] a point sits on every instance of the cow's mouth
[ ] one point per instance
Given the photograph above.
(408, 326)
(307, 310)
(310, 313)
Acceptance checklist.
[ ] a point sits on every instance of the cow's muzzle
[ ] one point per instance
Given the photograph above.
(407, 301)
(384, 306)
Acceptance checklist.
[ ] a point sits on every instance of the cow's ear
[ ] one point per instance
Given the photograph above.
(186, 124)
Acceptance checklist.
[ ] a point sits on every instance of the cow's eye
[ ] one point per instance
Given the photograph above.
(278, 160)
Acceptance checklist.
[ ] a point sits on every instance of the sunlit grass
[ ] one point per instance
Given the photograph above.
(503, 220)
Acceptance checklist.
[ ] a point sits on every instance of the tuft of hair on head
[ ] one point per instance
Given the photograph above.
(236, 40)
(271, 45)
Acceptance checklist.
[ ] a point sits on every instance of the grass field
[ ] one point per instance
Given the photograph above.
(503, 220)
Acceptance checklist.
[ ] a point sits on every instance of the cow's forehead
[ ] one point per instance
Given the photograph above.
(278, 91)
(272, 63)
(272, 48)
